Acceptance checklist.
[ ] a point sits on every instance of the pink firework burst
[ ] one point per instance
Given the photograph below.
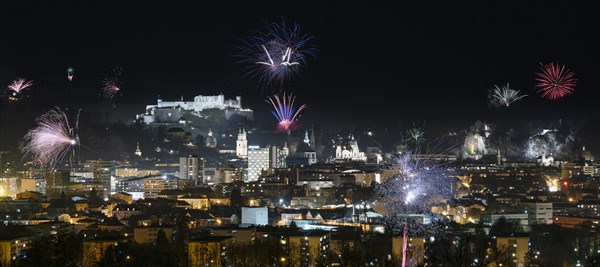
(111, 82)
(19, 85)
(555, 81)
(52, 139)
(284, 111)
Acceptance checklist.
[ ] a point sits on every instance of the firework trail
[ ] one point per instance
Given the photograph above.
(284, 111)
(276, 53)
(504, 96)
(111, 83)
(70, 73)
(18, 85)
(52, 139)
(555, 81)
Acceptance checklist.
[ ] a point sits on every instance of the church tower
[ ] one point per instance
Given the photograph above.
(353, 146)
(138, 152)
(241, 149)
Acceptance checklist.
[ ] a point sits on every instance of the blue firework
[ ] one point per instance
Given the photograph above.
(276, 53)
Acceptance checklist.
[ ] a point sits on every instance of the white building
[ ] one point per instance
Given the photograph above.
(154, 186)
(545, 160)
(192, 168)
(284, 152)
(538, 212)
(241, 149)
(349, 152)
(258, 160)
(255, 215)
(200, 103)
(274, 157)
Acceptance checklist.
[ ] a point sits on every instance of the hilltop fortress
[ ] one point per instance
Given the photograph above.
(171, 111)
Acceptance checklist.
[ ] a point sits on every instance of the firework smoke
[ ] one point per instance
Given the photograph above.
(555, 81)
(419, 186)
(422, 182)
(111, 82)
(276, 53)
(476, 140)
(52, 139)
(504, 96)
(284, 112)
(546, 143)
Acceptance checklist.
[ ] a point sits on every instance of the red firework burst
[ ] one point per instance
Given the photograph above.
(555, 81)
(112, 86)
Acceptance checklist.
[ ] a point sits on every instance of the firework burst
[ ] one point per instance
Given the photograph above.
(415, 136)
(18, 85)
(410, 195)
(52, 139)
(276, 53)
(504, 96)
(284, 111)
(111, 84)
(422, 183)
(555, 81)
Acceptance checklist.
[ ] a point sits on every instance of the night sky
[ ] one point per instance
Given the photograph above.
(397, 61)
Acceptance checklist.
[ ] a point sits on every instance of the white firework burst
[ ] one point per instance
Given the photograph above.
(504, 96)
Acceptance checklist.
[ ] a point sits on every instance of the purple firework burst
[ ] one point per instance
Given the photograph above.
(52, 139)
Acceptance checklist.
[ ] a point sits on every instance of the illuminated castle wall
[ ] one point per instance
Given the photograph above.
(200, 103)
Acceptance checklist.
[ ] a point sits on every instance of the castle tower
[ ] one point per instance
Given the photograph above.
(241, 149)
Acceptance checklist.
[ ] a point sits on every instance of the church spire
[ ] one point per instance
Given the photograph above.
(306, 139)
(138, 152)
